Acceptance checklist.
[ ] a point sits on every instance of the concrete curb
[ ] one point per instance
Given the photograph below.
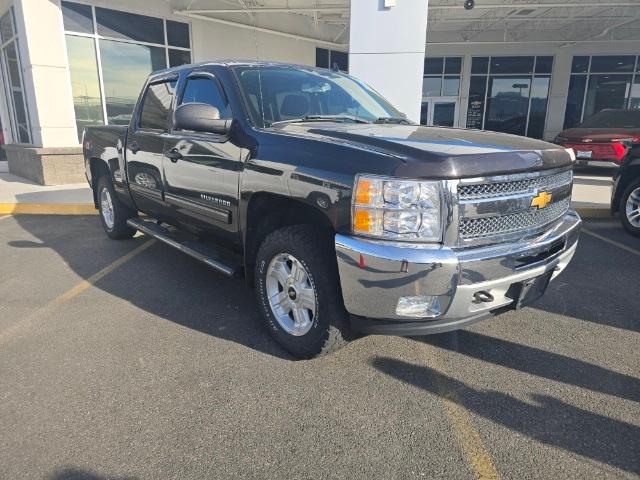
(47, 209)
(593, 212)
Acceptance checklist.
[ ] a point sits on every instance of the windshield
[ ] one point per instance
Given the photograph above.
(613, 119)
(281, 93)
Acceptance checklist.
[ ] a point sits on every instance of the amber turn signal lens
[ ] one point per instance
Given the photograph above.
(361, 221)
(363, 192)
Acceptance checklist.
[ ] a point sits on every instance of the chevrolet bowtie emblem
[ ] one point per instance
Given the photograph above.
(541, 200)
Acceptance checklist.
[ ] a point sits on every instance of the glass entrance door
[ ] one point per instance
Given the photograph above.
(440, 112)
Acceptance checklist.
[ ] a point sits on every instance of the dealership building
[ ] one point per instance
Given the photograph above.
(527, 68)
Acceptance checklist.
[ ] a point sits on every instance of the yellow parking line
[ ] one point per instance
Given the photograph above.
(466, 434)
(73, 292)
(612, 242)
(48, 208)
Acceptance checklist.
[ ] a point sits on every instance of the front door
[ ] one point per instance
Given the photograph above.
(202, 184)
(145, 146)
(440, 111)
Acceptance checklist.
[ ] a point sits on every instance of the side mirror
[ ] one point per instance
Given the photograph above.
(200, 117)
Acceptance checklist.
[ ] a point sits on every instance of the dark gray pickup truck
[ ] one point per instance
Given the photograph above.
(343, 214)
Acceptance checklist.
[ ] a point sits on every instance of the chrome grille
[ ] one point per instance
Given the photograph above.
(498, 189)
(495, 209)
(505, 224)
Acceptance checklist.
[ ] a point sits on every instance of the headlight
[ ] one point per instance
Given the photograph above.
(397, 209)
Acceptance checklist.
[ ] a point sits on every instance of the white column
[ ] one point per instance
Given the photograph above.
(46, 73)
(387, 49)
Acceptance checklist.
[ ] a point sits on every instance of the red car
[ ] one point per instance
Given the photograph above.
(604, 139)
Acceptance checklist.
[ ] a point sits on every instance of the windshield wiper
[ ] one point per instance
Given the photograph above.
(324, 118)
(398, 120)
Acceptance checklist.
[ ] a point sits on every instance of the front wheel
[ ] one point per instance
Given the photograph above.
(298, 291)
(630, 208)
(113, 213)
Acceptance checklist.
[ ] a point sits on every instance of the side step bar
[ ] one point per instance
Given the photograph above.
(205, 253)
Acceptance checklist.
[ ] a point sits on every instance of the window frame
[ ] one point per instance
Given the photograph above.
(635, 77)
(9, 89)
(488, 74)
(98, 37)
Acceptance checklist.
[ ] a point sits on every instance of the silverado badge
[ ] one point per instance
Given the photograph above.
(541, 200)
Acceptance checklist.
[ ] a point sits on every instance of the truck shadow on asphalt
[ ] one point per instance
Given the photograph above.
(546, 419)
(72, 473)
(162, 281)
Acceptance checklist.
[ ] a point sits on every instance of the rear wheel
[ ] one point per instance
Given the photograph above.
(630, 208)
(113, 213)
(298, 291)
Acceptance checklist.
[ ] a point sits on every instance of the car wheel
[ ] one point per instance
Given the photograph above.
(298, 291)
(630, 208)
(113, 213)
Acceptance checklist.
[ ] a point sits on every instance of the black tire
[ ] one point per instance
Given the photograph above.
(314, 249)
(633, 230)
(121, 213)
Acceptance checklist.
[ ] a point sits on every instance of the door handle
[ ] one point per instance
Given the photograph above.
(134, 147)
(174, 155)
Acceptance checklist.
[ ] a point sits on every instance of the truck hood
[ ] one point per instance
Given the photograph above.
(438, 151)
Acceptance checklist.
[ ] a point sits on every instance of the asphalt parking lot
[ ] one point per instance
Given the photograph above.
(122, 360)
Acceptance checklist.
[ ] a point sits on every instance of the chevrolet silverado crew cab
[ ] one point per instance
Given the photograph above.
(345, 215)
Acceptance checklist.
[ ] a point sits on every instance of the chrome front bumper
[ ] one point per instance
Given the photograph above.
(374, 275)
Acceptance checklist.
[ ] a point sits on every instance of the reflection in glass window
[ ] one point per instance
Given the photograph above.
(333, 59)
(605, 64)
(635, 94)
(512, 64)
(179, 57)
(87, 101)
(129, 26)
(205, 90)
(606, 91)
(125, 68)
(538, 110)
(156, 105)
(431, 86)
(450, 86)
(6, 27)
(178, 34)
(573, 112)
(507, 104)
(77, 17)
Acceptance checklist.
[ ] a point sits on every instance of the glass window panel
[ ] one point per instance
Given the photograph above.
(77, 17)
(475, 107)
(21, 117)
(206, 90)
(322, 58)
(453, 65)
(433, 65)
(178, 34)
(424, 113)
(6, 27)
(125, 68)
(480, 65)
(512, 64)
(538, 111)
(507, 104)
(606, 91)
(444, 114)
(85, 86)
(619, 63)
(157, 105)
(580, 65)
(635, 94)
(431, 86)
(179, 57)
(544, 64)
(340, 60)
(451, 86)
(129, 26)
(13, 65)
(575, 99)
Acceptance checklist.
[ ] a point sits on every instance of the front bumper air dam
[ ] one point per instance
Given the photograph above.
(374, 275)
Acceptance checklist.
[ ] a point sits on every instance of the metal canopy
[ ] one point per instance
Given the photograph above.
(491, 21)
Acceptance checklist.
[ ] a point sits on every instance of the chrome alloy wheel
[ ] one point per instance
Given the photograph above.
(632, 208)
(106, 208)
(292, 297)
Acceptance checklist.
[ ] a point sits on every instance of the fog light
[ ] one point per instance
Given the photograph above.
(418, 307)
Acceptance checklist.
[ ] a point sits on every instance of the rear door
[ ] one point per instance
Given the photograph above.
(145, 144)
(201, 187)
